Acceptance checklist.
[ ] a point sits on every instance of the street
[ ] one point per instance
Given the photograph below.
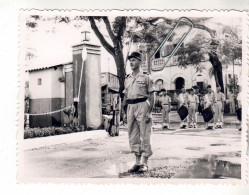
(177, 153)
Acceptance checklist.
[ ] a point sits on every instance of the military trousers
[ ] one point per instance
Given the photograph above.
(218, 116)
(165, 113)
(139, 130)
(192, 113)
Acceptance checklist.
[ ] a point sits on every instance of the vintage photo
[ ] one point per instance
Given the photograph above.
(132, 96)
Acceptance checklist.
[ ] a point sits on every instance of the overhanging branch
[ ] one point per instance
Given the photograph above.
(101, 38)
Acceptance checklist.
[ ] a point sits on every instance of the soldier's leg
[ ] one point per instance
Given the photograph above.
(216, 114)
(220, 116)
(133, 130)
(190, 115)
(164, 115)
(194, 115)
(167, 115)
(145, 132)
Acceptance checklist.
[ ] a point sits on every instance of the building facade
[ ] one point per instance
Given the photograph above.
(47, 94)
(109, 89)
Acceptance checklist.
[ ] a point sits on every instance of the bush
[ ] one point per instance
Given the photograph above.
(50, 131)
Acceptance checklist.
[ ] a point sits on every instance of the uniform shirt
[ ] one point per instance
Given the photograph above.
(165, 99)
(231, 97)
(193, 99)
(183, 98)
(239, 99)
(219, 97)
(209, 99)
(139, 86)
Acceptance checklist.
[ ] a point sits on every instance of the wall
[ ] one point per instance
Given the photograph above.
(189, 74)
(47, 97)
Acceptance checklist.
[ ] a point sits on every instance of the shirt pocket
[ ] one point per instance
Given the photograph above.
(141, 87)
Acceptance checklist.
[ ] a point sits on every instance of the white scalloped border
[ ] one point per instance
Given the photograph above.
(194, 13)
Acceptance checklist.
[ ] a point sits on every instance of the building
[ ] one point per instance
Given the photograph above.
(47, 93)
(109, 88)
(172, 77)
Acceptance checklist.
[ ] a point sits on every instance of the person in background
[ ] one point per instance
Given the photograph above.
(165, 102)
(193, 102)
(239, 99)
(183, 101)
(231, 98)
(219, 108)
(209, 101)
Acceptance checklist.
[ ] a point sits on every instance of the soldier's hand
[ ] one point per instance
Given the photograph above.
(147, 117)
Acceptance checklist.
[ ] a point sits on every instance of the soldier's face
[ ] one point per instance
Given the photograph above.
(218, 89)
(209, 90)
(134, 63)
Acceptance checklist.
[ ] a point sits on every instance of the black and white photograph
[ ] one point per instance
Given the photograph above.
(133, 96)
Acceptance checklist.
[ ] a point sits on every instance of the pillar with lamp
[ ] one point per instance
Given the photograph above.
(86, 82)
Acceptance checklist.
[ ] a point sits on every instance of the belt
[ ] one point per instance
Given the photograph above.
(165, 104)
(135, 101)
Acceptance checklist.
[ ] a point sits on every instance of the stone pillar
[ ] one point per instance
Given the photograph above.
(90, 104)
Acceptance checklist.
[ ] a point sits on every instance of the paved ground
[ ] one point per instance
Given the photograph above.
(192, 153)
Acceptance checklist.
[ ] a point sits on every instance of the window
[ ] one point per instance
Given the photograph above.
(159, 84)
(39, 81)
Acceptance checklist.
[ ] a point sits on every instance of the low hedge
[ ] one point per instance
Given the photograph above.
(49, 131)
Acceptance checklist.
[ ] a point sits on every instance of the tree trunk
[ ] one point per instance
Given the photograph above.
(119, 60)
(214, 60)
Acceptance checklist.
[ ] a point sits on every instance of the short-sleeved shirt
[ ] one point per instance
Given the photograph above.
(231, 97)
(193, 99)
(209, 99)
(139, 86)
(239, 99)
(183, 98)
(219, 97)
(165, 100)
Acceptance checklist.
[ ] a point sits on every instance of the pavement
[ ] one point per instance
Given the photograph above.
(190, 153)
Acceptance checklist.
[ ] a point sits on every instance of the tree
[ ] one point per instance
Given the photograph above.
(135, 29)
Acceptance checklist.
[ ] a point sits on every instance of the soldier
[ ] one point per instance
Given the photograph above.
(219, 108)
(139, 91)
(165, 102)
(231, 98)
(209, 102)
(239, 107)
(183, 101)
(193, 101)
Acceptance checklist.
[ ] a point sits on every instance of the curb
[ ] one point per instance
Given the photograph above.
(34, 143)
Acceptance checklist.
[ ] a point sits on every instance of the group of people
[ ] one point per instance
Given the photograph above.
(189, 102)
(139, 95)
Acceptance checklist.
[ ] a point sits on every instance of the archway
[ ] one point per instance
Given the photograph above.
(159, 84)
(179, 83)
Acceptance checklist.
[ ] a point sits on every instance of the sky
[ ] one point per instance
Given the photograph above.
(53, 42)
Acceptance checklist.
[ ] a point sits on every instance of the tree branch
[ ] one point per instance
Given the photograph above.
(109, 29)
(169, 21)
(101, 38)
(122, 27)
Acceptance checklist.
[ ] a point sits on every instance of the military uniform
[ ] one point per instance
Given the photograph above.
(183, 101)
(218, 109)
(193, 101)
(165, 102)
(231, 98)
(137, 90)
(209, 100)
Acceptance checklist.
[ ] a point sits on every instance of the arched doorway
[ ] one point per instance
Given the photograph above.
(179, 82)
(159, 84)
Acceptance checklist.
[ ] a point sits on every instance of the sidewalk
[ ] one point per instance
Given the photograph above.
(29, 144)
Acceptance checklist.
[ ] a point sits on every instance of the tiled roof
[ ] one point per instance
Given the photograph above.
(40, 67)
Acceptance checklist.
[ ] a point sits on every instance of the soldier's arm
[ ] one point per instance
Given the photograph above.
(151, 91)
